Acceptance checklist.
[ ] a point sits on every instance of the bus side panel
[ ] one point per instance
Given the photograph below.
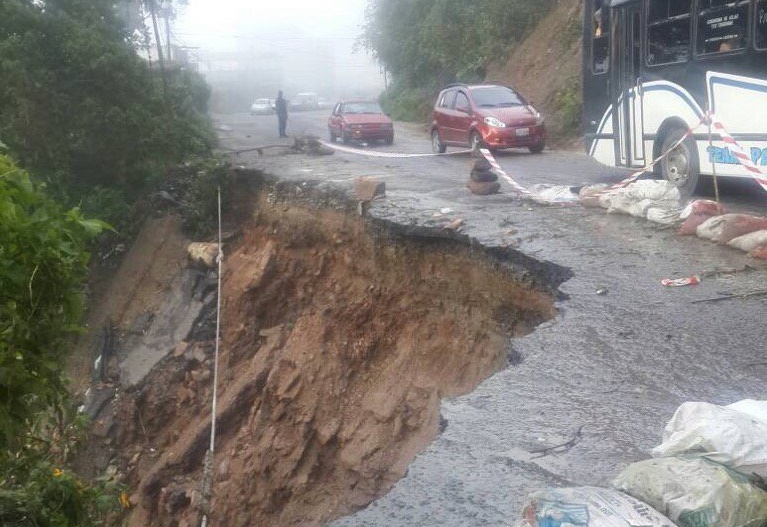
(740, 104)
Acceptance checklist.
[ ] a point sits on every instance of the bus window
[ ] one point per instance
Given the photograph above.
(721, 27)
(668, 35)
(600, 42)
(761, 25)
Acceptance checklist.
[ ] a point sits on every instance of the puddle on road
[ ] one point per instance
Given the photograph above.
(340, 338)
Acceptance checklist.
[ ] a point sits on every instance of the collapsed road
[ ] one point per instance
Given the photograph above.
(603, 377)
(430, 363)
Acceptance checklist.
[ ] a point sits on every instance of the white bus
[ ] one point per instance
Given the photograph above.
(652, 69)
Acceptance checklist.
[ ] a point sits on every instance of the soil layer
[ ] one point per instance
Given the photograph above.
(339, 340)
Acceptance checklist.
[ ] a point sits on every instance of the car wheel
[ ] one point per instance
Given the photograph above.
(333, 136)
(680, 166)
(475, 141)
(537, 149)
(389, 140)
(345, 138)
(436, 143)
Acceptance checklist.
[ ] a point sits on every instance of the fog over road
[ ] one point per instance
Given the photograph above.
(616, 363)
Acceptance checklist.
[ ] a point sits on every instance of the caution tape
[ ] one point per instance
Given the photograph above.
(389, 155)
(501, 173)
(740, 153)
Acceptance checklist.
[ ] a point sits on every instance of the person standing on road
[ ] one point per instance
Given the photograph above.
(281, 107)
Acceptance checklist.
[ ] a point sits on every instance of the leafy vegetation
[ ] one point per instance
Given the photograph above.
(426, 44)
(43, 263)
(569, 103)
(93, 127)
(81, 109)
(36, 488)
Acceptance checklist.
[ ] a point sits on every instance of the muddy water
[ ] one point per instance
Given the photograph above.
(341, 337)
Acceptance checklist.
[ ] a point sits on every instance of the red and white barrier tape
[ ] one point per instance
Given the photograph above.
(633, 177)
(390, 155)
(740, 153)
(500, 172)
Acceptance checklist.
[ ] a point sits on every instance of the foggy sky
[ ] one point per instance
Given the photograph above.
(321, 33)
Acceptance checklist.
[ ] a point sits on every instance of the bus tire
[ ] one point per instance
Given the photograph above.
(680, 166)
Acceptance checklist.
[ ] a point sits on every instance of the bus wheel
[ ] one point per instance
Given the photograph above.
(680, 166)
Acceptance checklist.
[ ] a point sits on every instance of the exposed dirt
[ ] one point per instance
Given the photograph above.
(547, 63)
(340, 337)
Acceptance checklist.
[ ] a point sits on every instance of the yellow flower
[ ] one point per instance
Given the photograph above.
(57, 473)
(124, 501)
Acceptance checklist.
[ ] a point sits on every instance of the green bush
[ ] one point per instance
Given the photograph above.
(81, 110)
(37, 489)
(568, 102)
(43, 264)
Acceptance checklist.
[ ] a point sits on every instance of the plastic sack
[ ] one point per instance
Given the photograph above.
(653, 189)
(552, 194)
(588, 507)
(663, 216)
(694, 492)
(749, 242)
(722, 229)
(722, 434)
(702, 207)
(590, 194)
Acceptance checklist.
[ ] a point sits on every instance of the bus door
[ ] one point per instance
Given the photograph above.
(626, 86)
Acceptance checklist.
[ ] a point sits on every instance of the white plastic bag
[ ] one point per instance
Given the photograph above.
(552, 194)
(722, 434)
(694, 492)
(588, 507)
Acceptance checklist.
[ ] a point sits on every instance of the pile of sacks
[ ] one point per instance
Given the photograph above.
(710, 221)
(659, 201)
(656, 200)
(708, 472)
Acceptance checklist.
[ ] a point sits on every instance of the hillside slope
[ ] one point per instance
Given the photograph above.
(546, 68)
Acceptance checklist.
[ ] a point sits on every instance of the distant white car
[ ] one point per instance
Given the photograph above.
(262, 107)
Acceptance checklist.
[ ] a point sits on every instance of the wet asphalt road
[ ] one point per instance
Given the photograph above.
(616, 364)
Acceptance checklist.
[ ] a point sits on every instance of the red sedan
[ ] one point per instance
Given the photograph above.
(360, 121)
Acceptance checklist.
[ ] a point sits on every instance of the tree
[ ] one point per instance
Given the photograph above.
(426, 44)
(81, 109)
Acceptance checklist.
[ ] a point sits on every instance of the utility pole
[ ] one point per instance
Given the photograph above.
(153, 11)
(167, 12)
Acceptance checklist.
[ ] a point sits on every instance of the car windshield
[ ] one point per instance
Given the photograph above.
(362, 107)
(496, 97)
(262, 101)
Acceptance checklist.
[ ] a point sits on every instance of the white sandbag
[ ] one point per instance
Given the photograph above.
(749, 242)
(694, 492)
(711, 228)
(552, 194)
(629, 205)
(756, 409)
(663, 216)
(654, 189)
(721, 434)
(724, 228)
(589, 507)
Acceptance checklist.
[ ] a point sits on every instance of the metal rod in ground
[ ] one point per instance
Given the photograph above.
(207, 477)
(713, 163)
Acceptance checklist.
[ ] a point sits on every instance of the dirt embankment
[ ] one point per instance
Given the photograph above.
(340, 337)
(546, 67)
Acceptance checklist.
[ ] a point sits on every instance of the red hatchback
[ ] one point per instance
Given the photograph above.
(360, 121)
(489, 115)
